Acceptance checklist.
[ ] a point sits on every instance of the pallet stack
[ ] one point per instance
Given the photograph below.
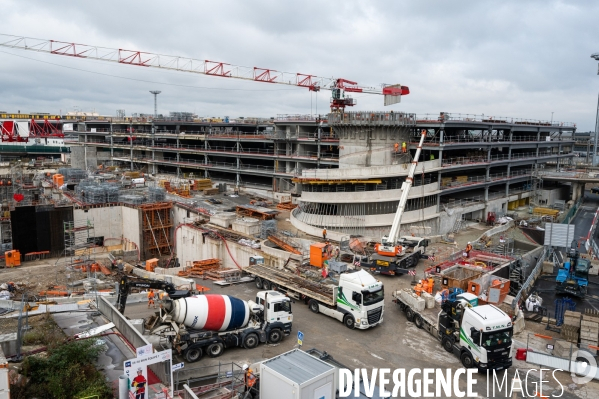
(571, 327)
(286, 206)
(589, 330)
(201, 184)
(200, 267)
(446, 181)
(211, 191)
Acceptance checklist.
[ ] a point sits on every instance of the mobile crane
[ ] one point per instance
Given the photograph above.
(393, 255)
(125, 286)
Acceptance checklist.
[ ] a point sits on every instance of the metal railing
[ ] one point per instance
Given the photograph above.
(459, 117)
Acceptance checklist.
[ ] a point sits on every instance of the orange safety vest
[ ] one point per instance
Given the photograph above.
(250, 378)
(151, 295)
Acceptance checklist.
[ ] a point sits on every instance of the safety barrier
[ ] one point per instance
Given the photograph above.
(131, 334)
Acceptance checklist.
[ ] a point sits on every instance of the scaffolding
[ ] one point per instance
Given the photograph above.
(78, 240)
(157, 227)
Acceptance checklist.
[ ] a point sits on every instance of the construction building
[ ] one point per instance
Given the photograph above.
(346, 169)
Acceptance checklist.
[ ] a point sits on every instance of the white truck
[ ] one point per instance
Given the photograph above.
(480, 336)
(357, 300)
(209, 324)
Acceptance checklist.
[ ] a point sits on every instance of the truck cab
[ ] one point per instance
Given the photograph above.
(360, 297)
(485, 338)
(412, 244)
(276, 311)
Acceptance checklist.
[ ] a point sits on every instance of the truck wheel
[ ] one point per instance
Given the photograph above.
(466, 359)
(266, 284)
(275, 336)
(313, 305)
(193, 354)
(258, 282)
(215, 350)
(251, 341)
(418, 321)
(447, 343)
(349, 321)
(409, 314)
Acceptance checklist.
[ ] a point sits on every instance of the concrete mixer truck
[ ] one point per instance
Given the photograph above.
(208, 324)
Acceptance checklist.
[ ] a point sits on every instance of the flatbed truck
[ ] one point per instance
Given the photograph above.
(480, 336)
(357, 300)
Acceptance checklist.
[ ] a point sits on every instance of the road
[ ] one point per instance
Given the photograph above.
(584, 218)
(394, 344)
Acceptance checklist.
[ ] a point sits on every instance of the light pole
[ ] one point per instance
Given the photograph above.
(595, 56)
(155, 93)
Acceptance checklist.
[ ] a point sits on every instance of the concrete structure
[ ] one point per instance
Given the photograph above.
(250, 152)
(345, 168)
(470, 165)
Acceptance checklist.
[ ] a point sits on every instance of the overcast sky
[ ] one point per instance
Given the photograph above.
(517, 59)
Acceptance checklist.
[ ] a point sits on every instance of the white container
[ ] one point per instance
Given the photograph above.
(296, 375)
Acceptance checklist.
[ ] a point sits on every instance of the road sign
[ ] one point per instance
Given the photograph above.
(178, 366)
(300, 338)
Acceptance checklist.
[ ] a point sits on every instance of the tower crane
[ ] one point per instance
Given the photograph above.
(338, 86)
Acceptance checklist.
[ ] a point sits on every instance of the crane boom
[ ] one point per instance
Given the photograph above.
(388, 242)
(392, 93)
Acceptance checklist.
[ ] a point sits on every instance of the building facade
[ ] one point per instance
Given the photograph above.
(346, 169)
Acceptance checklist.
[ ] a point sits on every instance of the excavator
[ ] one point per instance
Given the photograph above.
(395, 255)
(125, 286)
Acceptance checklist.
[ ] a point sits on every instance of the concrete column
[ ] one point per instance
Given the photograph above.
(131, 143)
(441, 157)
(441, 134)
(511, 135)
(85, 149)
(111, 146)
(509, 150)
(507, 189)
(575, 191)
(486, 194)
(489, 154)
(538, 150)
(539, 134)
(488, 169)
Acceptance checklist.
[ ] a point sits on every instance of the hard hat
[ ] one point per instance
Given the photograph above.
(139, 369)
(245, 367)
(468, 242)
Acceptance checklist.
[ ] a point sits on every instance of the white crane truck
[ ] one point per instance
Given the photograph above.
(357, 300)
(395, 255)
(480, 336)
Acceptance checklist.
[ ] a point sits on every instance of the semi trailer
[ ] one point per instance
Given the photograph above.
(356, 300)
(208, 324)
(480, 336)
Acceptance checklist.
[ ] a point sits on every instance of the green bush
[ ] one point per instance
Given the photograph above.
(67, 372)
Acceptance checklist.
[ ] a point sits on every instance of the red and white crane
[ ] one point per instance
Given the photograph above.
(392, 93)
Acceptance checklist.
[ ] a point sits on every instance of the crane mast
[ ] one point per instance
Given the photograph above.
(388, 242)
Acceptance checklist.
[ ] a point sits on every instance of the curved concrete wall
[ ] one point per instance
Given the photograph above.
(371, 172)
(368, 196)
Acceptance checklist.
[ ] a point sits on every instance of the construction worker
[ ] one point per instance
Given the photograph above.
(139, 383)
(468, 249)
(324, 234)
(396, 147)
(249, 378)
(404, 147)
(337, 252)
(151, 299)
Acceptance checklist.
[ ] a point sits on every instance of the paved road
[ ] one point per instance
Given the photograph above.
(584, 218)
(394, 344)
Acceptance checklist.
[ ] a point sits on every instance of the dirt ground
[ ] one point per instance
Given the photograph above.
(34, 277)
